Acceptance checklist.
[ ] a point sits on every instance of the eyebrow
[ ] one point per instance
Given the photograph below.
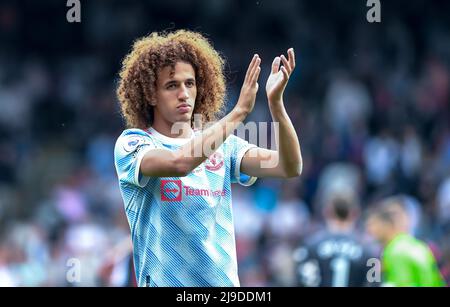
(172, 81)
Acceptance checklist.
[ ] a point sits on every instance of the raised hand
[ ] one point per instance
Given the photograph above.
(250, 86)
(279, 76)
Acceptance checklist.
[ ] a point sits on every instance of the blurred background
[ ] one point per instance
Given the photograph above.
(370, 102)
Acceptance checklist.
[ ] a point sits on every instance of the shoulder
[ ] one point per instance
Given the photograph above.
(230, 140)
(317, 237)
(130, 139)
(402, 247)
(134, 132)
(234, 139)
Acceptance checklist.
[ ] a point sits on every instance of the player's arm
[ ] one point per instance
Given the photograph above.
(286, 161)
(179, 163)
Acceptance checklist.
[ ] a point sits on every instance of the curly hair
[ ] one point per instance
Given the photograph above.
(138, 76)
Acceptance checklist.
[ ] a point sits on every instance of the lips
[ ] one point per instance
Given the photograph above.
(183, 105)
(184, 108)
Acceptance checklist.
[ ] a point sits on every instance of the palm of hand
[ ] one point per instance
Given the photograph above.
(275, 85)
(279, 76)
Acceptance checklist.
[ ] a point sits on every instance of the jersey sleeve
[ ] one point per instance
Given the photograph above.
(238, 148)
(129, 150)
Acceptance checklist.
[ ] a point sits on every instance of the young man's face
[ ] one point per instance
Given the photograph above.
(175, 94)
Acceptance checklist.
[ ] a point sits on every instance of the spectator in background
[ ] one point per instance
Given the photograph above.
(443, 202)
(347, 104)
(406, 261)
(290, 217)
(381, 155)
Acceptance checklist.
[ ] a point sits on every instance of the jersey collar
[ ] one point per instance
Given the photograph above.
(168, 140)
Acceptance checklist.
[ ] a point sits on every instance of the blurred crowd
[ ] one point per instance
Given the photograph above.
(370, 102)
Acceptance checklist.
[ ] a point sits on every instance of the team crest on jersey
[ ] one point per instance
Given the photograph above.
(215, 162)
(132, 142)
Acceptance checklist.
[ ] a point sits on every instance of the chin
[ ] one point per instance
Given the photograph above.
(183, 118)
(187, 117)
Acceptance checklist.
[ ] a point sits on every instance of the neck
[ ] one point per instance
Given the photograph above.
(340, 226)
(180, 130)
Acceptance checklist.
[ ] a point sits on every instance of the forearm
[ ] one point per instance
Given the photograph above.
(179, 163)
(288, 146)
(206, 143)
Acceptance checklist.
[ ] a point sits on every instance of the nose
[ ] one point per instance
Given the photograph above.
(183, 94)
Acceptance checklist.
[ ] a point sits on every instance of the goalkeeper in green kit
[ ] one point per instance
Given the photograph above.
(406, 261)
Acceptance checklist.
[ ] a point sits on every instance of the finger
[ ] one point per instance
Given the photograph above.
(276, 65)
(286, 64)
(250, 67)
(291, 55)
(255, 71)
(256, 75)
(252, 71)
(285, 73)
